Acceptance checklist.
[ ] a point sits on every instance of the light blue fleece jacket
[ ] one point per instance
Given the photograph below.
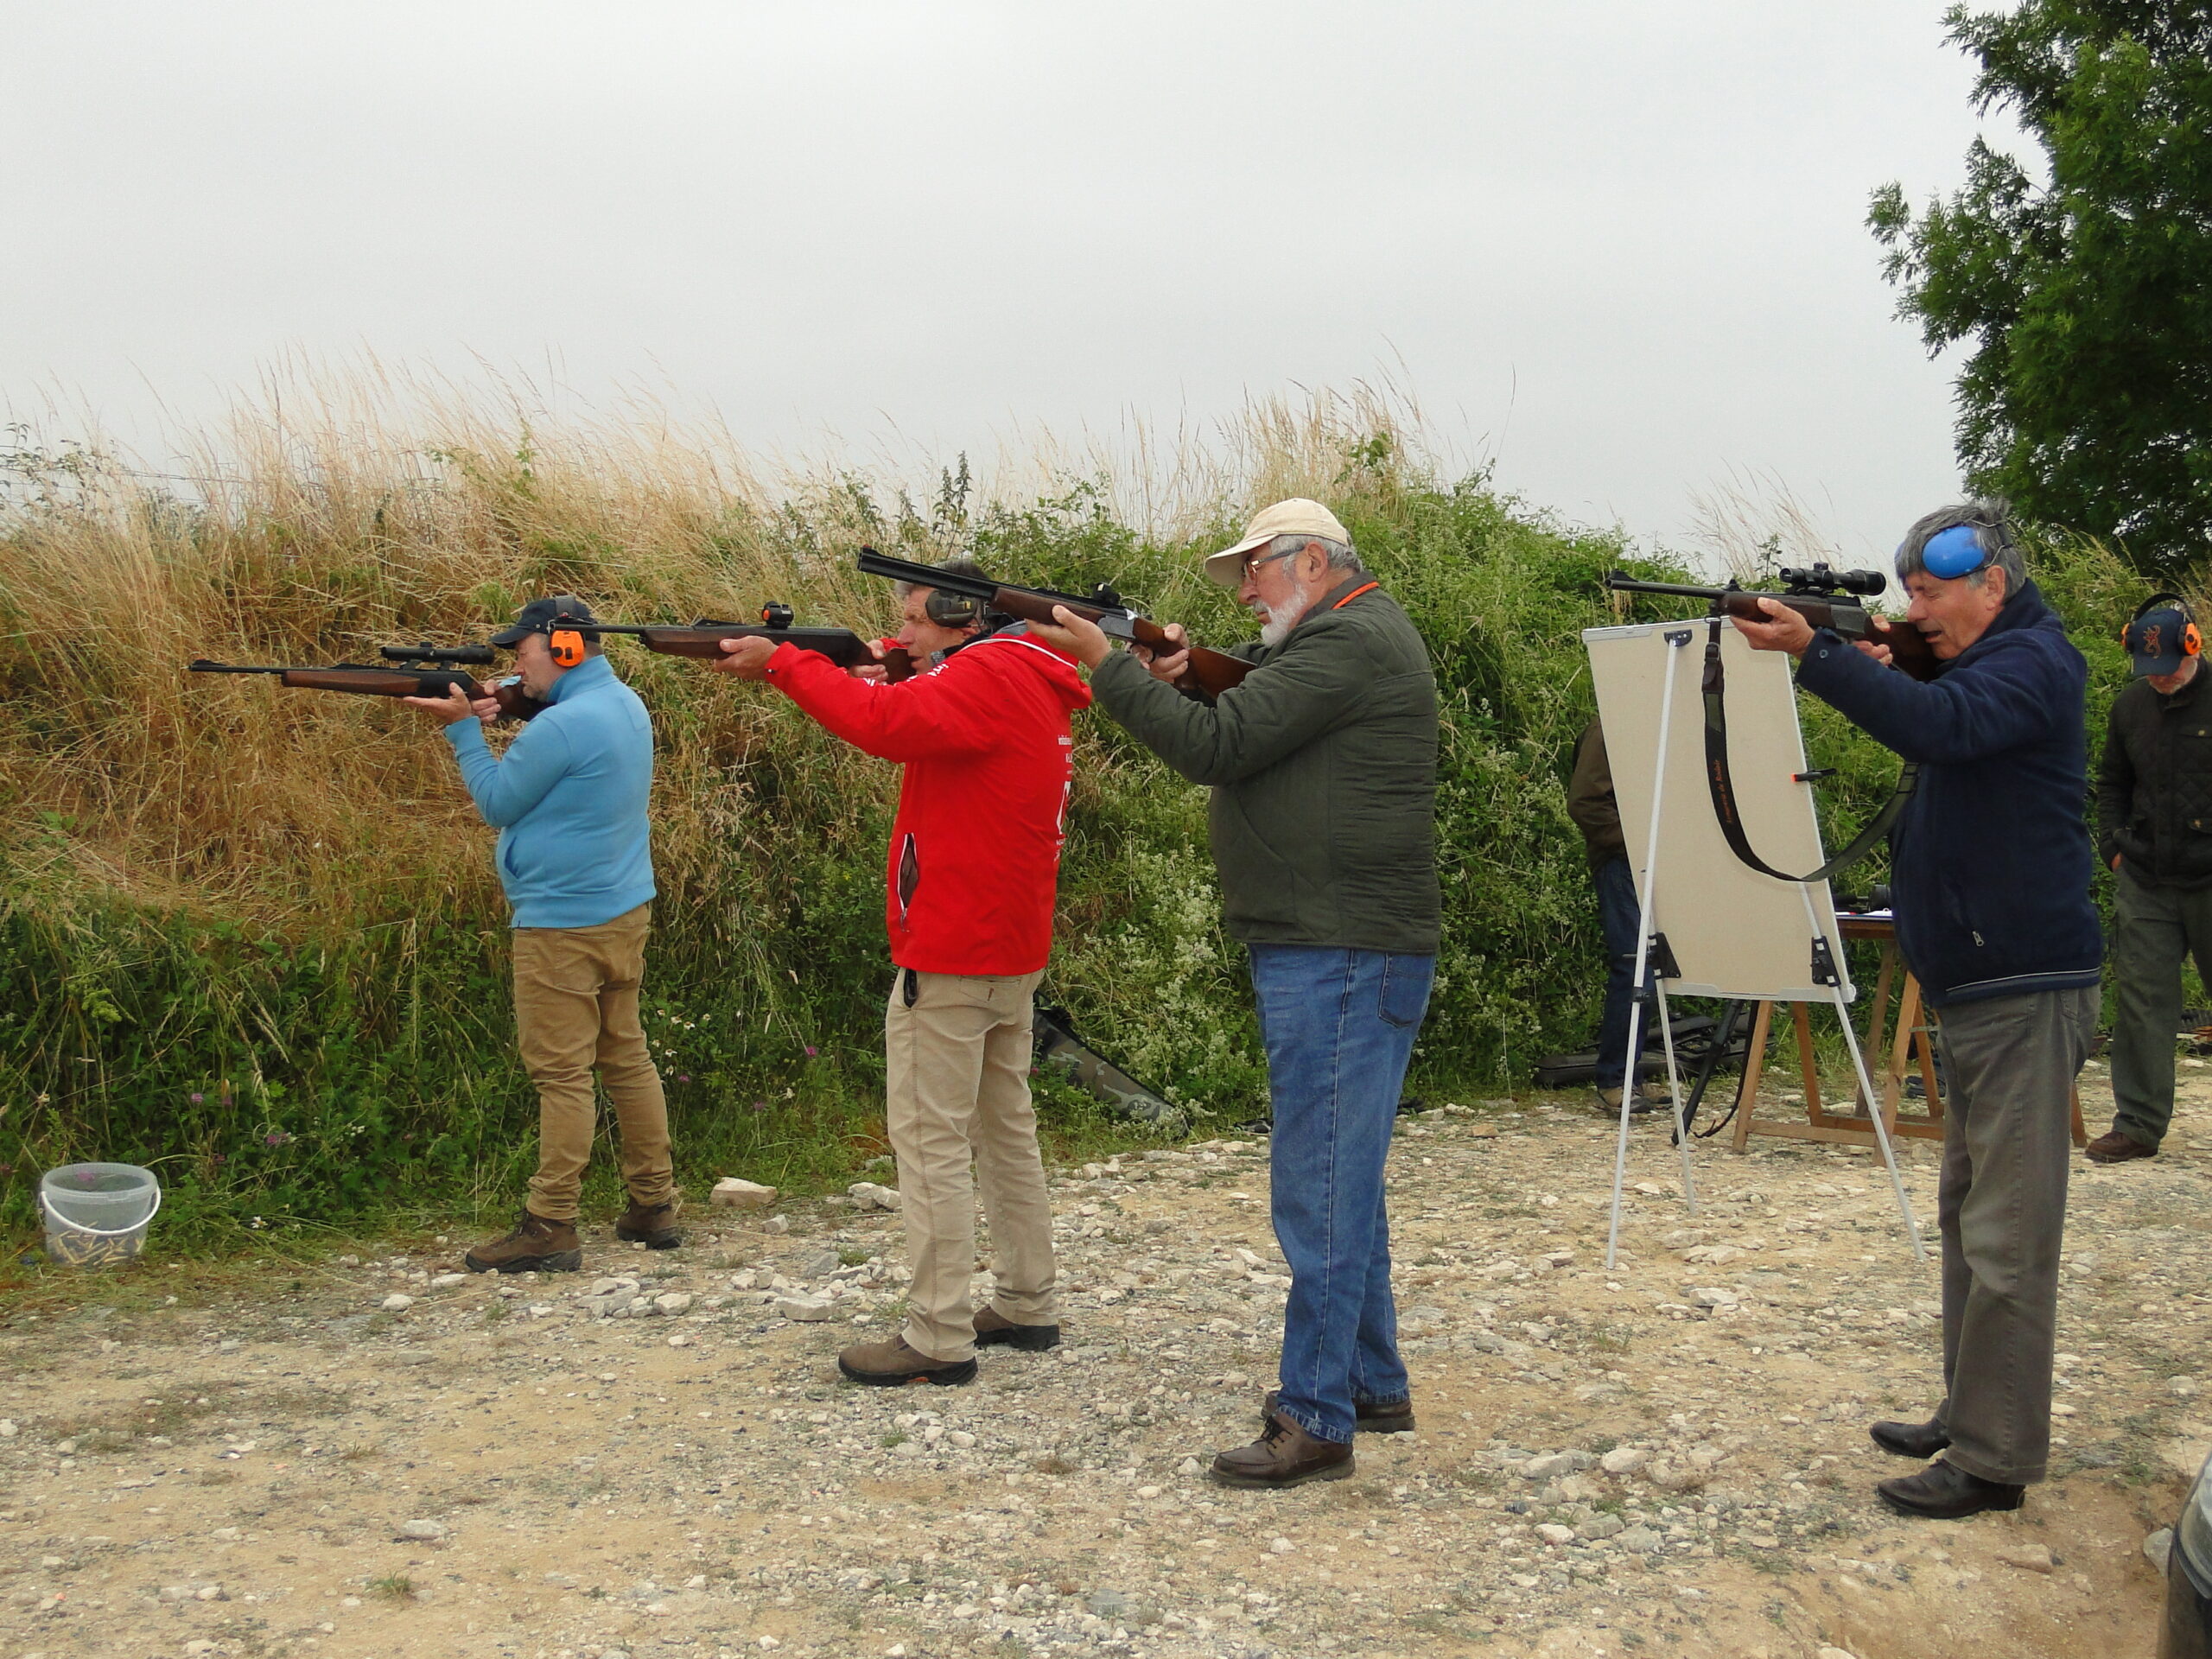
(569, 799)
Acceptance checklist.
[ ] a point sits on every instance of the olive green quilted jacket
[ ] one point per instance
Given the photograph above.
(1323, 767)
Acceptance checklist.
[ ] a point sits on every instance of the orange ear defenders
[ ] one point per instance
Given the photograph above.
(567, 646)
(2192, 642)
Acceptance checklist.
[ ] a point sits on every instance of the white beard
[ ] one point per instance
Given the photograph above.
(1275, 625)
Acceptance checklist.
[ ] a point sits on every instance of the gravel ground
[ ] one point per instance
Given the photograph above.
(649, 1460)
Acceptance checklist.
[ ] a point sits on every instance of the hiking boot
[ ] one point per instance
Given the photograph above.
(2114, 1147)
(1369, 1416)
(995, 1330)
(892, 1364)
(537, 1245)
(1284, 1455)
(652, 1225)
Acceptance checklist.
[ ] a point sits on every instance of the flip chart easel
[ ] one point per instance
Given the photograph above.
(1709, 925)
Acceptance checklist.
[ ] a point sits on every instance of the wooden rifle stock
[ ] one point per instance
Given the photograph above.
(363, 679)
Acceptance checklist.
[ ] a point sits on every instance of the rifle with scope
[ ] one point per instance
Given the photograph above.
(702, 639)
(1825, 598)
(1211, 671)
(423, 670)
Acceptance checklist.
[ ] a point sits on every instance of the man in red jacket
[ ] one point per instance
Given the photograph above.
(975, 860)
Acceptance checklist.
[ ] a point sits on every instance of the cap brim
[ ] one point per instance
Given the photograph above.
(1226, 567)
(2168, 664)
(508, 638)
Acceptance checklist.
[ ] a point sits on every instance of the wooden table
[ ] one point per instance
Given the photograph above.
(1913, 1041)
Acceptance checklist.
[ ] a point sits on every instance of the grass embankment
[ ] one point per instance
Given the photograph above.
(252, 939)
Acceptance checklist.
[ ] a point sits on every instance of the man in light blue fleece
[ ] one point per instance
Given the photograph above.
(569, 798)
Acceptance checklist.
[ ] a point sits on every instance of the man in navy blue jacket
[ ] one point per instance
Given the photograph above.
(1991, 872)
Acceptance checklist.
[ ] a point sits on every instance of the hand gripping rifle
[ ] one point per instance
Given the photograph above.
(702, 639)
(1213, 672)
(1826, 599)
(423, 670)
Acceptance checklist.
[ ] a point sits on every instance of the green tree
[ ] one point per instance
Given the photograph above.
(2087, 294)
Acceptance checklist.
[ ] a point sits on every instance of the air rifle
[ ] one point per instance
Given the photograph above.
(702, 639)
(423, 670)
(1825, 598)
(1213, 672)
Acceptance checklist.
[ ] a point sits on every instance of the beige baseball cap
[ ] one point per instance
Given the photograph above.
(1296, 517)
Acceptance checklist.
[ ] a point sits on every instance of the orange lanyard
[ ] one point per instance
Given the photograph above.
(1354, 593)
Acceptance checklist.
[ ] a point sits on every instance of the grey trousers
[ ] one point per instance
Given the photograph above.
(2007, 1143)
(2153, 929)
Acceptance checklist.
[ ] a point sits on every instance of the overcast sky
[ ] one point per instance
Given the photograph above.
(1618, 247)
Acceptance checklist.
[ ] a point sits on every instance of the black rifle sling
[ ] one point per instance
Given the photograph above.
(1722, 783)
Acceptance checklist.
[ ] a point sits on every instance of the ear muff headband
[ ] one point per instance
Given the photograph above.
(2192, 642)
(1950, 554)
(567, 646)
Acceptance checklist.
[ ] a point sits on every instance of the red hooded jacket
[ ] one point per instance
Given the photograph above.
(975, 849)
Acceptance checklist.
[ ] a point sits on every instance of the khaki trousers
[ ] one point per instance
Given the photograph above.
(576, 1008)
(956, 1092)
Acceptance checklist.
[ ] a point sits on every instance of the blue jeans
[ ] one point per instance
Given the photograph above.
(1339, 1028)
(1618, 914)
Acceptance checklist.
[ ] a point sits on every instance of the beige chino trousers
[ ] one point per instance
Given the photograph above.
(957, 1093)
(575, 1010)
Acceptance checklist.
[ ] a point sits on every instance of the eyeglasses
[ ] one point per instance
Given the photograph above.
(1252, 565)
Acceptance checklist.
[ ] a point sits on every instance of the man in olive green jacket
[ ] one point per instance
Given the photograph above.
(1323, 767)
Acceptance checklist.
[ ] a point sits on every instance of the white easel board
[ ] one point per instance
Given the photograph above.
(1733, 932)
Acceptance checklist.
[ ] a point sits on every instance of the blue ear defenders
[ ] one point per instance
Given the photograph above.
(1953, 553)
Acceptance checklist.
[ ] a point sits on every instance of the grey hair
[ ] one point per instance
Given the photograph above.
(1340, 554)
(1990, 519)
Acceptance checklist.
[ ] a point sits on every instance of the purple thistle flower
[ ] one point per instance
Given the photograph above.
(811, 1051)
(196, 1097)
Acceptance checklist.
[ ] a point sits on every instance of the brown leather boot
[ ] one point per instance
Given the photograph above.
(2114, 1147)
(537, 1245)
(1284, 1455)
(892, 1364)
(1369, 1416)
(652, 1225)
(995, 1330)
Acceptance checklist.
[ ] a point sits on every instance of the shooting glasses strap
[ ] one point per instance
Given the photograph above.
(1722, 783)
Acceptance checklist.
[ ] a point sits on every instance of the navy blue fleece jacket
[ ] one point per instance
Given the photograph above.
(1991, 858)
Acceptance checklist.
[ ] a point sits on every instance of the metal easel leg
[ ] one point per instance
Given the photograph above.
(1676, 638)
(1675, 1089)
(1881, 1128)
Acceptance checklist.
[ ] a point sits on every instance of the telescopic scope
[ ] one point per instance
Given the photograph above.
(451, 656)
(1821, 579)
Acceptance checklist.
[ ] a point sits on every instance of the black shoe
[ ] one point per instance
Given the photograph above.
(1367, 1416)
(652, 1225)
(1939, 1492)
(995, 1330)
(1911, 1439)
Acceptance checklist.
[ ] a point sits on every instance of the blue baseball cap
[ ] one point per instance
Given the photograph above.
(2157, 640)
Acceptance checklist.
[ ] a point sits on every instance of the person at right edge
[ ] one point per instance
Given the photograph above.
(2154, 827)
(1323, 765)
(1991, 868)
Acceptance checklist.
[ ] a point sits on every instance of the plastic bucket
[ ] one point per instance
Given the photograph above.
(96, 1213)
